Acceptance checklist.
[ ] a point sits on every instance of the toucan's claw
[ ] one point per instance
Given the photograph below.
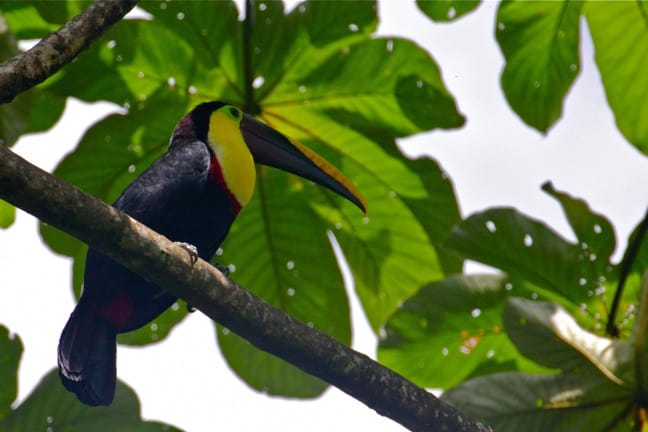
(191, 250)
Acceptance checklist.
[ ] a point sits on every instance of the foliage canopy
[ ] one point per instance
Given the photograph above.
(320, 75)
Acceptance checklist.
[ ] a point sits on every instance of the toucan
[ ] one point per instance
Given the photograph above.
(191, 194)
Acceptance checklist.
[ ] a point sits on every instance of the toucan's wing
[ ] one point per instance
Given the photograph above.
(168, 186)
(162, 197)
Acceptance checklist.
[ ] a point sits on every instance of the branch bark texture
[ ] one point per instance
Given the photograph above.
(59, 48)
(155, 257)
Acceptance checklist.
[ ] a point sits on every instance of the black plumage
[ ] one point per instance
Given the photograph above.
(183, 196)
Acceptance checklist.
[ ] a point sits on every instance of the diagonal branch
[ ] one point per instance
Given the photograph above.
(152, 255)
(59, 48)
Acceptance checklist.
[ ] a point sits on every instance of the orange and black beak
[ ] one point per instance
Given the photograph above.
(269, 147)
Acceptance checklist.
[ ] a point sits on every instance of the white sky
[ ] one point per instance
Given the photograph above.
(494, 160)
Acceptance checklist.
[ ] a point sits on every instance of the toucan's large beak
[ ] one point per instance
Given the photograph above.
(269, 147)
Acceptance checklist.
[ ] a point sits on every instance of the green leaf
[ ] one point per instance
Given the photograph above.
(276, 377)
(389, 262)
(437, 224)
(288, 48)
(156, 330)
(46, 110)
(594, 231)
(127, 143)
(513, 401)
(7, 214)
(25, 21)
(539, 41)
(207, 33)
(620, 34)
(546, 333)
(446, 10)
(134, 60)
(398, 77)
(14, 116)
(51, 407)
(60, 12)
(454, 330)
(10, 352)
(60, 242)
(526, 248)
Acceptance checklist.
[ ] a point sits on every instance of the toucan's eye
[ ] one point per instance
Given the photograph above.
(235, 112)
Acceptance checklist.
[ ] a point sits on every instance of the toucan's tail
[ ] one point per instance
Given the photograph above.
(86, 357)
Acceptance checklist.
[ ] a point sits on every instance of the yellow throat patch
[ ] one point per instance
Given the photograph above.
(236, 162)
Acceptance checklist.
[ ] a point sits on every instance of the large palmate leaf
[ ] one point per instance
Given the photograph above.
(10, 351)
(527, 249)
(540, 43)
(620, 34)
(51, 407)
(452, 330)
(320, 79)
(578, 273)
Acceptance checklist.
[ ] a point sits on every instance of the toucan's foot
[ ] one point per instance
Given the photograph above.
(223, 269)
(190, 308)
(191, 250)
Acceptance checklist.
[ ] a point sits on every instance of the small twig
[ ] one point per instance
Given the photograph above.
(166, 264)
(624, 270)
(59, 48)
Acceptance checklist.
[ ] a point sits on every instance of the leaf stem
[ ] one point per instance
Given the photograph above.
(250, 105)
(612, 328)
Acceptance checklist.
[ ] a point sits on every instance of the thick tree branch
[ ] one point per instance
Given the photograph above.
(59, 48)
(203, 286)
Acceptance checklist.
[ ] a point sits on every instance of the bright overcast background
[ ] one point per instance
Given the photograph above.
(495, 160)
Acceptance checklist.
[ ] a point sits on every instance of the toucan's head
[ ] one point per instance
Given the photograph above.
(238, 141)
